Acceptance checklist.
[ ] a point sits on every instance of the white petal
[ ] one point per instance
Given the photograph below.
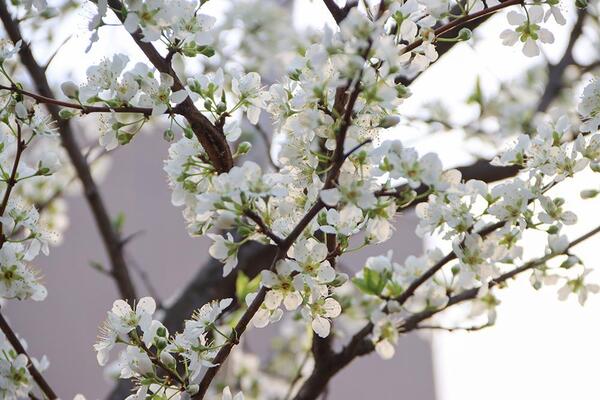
(330, 197)
(321, 326)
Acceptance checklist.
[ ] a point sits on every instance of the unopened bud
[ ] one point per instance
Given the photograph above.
(192, 389)
(65, 113)
(70, 89)
(389, 121)
(244, 148)
(464, 34)
(589, 193)
(169, 135)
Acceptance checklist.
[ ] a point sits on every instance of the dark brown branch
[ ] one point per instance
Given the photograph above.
(110, 238)
(236, 333)
(33, 371)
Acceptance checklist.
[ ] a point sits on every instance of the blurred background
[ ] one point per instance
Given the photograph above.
(539, 347)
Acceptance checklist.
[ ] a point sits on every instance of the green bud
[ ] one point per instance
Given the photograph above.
(465, 34)
(244, 148)
(339, 280)
(162, 331)
(402, 91)
(188, 132)
(221, 108)
(552, 230)
(207, 51)
(70, 89)
(66, 113)
(192, 389)
(169, 135)
(161, 344)
(581, 3)
(589, 193)
(569, 262)
(124, 138)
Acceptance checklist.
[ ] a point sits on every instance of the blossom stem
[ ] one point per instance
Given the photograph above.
(35, 373)
(12, 181)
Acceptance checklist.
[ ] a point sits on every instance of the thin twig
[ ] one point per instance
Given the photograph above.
(263, 226)
(84, 109)
(12, 181)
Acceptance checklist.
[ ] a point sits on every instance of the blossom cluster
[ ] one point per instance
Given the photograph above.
(150, 351)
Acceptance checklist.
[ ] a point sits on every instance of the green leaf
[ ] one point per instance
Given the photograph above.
(244, 286)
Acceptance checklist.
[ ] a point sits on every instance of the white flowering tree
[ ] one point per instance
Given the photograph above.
(322, 104)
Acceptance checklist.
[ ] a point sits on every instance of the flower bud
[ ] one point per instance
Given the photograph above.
(464, 34)
(70, 89)
(389, 121)
(244, 148)
(192, 389)
(167, 359)
(66, 113)
(589, 193)
(169, 135)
